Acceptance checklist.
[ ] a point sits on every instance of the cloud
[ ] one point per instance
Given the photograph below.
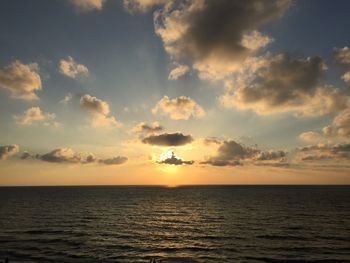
(64, 155)
(338, 129)
(143, 127)
(270, 155)
(141, 5)
(346, 77)
(216, 35)
(98, 110)
(35, 115)
(67, 99)
(67, 155)
(70, 68)
(178, 72)
(211, 140)
(25, 155)
(7, 151)
(223, 39)
(340, 126)
(310, 136)
(180, 108)
(218, 162)
(231, 153)
(168, 139)
(284, 84)
(324, 152)
(174, 160)
(114, 161)
(87, 5)
(22, 80)
(342, 55)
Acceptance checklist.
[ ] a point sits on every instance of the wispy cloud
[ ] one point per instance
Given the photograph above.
(178, 72)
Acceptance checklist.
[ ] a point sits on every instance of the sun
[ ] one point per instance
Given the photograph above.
(166, 155)
(167, 168)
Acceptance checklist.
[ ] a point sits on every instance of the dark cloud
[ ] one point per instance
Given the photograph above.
(114, 161)
(273, 164)
(287, 84)
(25, 155)
(215, 28)
(61, 155)
(168, 139)
(218, 162)
(231, 153)
(7, 151)
(66, 155)
(324, 152)
(270, 155)
(212, 140)
(222, 39)
(326, 147)
(173, 160)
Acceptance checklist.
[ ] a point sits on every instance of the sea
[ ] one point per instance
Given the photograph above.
(175, 224)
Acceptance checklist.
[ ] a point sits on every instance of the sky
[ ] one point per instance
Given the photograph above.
(134, 92)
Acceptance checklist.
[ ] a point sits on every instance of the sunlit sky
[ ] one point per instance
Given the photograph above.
(98, 92)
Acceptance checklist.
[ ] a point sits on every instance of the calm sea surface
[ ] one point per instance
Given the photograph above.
(183, 224)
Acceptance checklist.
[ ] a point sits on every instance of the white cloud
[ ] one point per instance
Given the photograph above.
(178, 72)
(180, 108)
(22, 80)
(35, 115)
(70, 68)
(98, 110)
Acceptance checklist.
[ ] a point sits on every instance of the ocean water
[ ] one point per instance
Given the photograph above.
(181, 224)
